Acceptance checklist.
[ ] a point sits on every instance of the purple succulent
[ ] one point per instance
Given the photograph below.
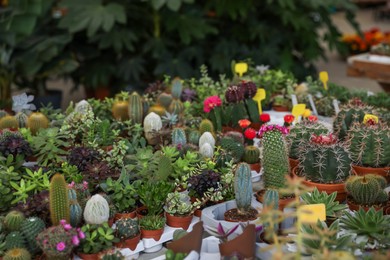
(199, 184)
(14, 143)
(234, 94)
(188, 95)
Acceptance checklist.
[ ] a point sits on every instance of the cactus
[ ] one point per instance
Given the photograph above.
(243, 188)
(158, 109)
(97, 210)
(383, 197)
(75, 210)
(30, 229)
(176, 107)
(164, 100)
(206, 150)
(120, 110)
(136, 108)
(177, 88)
(3, 113)
(59, 202)
(165, 168)
(251, 154)
(17, 254)
(127, 228)
(207, 137)
(271, 199)
(368, 144)
(325, 163)
(113, 255)
(274, 159)
(13, 220)
(22, 119)
(193, 137)
(152, 122)
(234, 148)
(206, 126)
(352, 112)
(36, 121)
(178, 137)
(365, 189)
(15, 239)
(300, 134)
(8, 122)
(237, 136)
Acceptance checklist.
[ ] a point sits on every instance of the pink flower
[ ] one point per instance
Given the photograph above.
(323, 139)
(211, 102)
(61, 246)
(244, 123)
(67, 227)
(266, 128)
(62, 221)
(85, 185)
(71, 185)
(45, 241)
(81, 235)
(75, 240)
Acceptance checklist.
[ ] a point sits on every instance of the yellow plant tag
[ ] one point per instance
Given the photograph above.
(241, 68)
(260, 95)
(370, 117)
(298, 110)
(324, 79)
(306, 113)
(312, 213)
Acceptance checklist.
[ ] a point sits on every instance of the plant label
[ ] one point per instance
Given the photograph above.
(324, 79)
(336, 106)
(312, 213)
(260, 95)
(294, 99)
(241, 68)
(313, 106)
(298, 110)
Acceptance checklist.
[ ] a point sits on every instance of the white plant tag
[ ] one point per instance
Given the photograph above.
(313, 106)
(336, 106)
(294, 99)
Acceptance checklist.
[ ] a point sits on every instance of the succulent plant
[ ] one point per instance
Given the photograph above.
(120, 110)
(59, 201)
(36, 121)
(30, 229)
(199, 184)
(96, 210)
(75, 210)
(17, 254)
(179, 204)
(237, 136)
(234, 94)
(113, 255)
(14, 143)
(83, 156)
(178, 137)
(21, 103)
(207, 137)
(243, 188)
(206, 150)
(251, 154)
(154, 89)
(152, 122)
(8, 122)
(193, 137)
(368, 189)
(165, 99)
(97, 238)
(127, 228)
(206, 126)
(15, 239)
(13, 220)
(188, 95)
(36, 205)
(233, 147)
(96, 171)
(333, 208)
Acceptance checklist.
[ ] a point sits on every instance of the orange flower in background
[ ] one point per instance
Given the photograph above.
(244, 123)
(358, 43)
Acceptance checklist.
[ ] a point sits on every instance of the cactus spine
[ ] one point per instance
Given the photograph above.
(36, 121)
(251, 154)
(59, 202)
(75, 210)
(97, 210)
(8, 122)
(206, 126)
(17, 254)
(120, 110)
(243, 188)
(368, 144)
(15, 239)
(274, 159)
(135, 108)
(366, 189)
(13, 220)
(177, 88)
(22, 119)
(30, 229)
(178, 137)
(234, 148)
(127, 228)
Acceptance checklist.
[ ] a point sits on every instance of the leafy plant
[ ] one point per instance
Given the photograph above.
(153, 195)
(179, 204)
(7, 175)
(152, 222)
(97, 238)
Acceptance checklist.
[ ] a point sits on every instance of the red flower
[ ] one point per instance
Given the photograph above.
(265, 118)
(250, 133)
(211, 102)
(323, 139)
(244, 123)
(289, 119)
(312, 118)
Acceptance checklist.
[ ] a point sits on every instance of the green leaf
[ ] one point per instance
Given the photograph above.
(118, 12)
(174, 5)
(157, 4)
(23, 24)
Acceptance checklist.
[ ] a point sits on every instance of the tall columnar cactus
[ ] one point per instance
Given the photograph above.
(136, 109)
(164, 99)
(120, 110)
(127, 228)
(75, 211)
(8, 122)
(177, 88)
(17, 254)
(234, 148)
(176, 107)
(251, 154)
(274, 159)
(271, 199)
(13, 220)
(325, 160)
(243, 188)
(369, 144)
(352, 112)
(30, 229)
(178, 137)
(301, 134)
(367, 189)
(59, 202)
(206, 126)
(22, 119)
(36, 121)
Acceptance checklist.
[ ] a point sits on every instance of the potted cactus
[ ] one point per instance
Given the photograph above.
(252, 157)
(127, 230)
(368, 143)
(366, 191)
(113, 255)
(325, 164)
(243, 196)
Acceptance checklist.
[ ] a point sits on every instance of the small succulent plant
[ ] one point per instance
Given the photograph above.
(21, 102)
(13, 143)
(201, 183)
(83, 156)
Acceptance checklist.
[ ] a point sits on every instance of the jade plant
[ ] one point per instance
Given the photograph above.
(97, 238)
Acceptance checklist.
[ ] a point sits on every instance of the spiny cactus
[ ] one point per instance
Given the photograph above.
(207, 137)
(75, 210)
(17, 254)
(97, 210)
(206, 126)
(274, 159)
(234, 148)
(326, 163)
(366, 189)
(178, 137)
(369, 144)
(22, 119)
(271, 199)
(301, 134)
(120, 110)
(251, 154)
(15, 239)
(193, 137)
(30, 229)
(127, 228)
(113, 255)
(136, 108)
(243, 188)
(13, 220)
(152, 122)
(237, 136)
(352, 112)
(176, 107)
(164, 99)
(158, 109)
(8, 122)
(37, 121)
(59, 202)
(177, 88)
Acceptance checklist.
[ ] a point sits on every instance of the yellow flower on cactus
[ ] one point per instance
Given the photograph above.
(370, 119)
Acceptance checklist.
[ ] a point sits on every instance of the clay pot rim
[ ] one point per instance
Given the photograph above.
(350, 201)
(312, 183)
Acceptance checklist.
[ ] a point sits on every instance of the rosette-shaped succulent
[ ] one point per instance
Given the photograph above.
(201, 183)
(83, 156)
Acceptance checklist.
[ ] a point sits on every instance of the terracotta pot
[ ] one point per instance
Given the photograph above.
(155, 234)
(110, 222)
(353, 206)
(293, 163)
(190, 242)
(282, 202)
(244, 244)
(178, 222)
(255, 167)
(198, 213)
(89, 256)
(124, 215)
(129, 243)
(280, 108)
(328, 188)
(360, 170)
